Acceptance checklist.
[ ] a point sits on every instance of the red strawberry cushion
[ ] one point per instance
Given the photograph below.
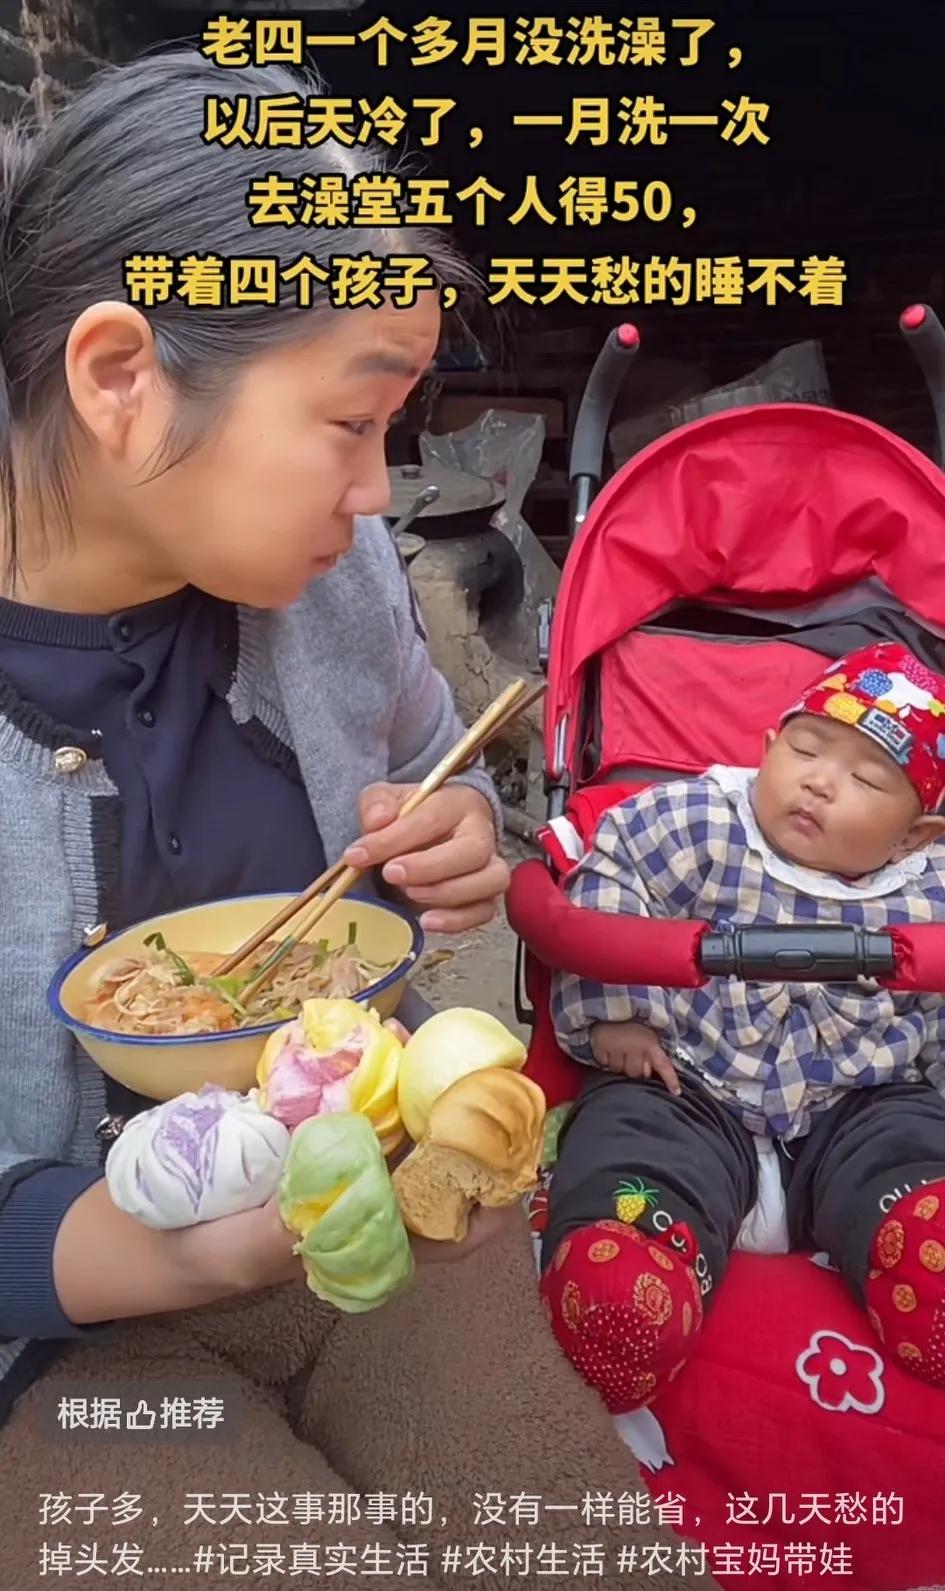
(795, 1451)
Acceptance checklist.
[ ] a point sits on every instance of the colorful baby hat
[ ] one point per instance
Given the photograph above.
(887, 693)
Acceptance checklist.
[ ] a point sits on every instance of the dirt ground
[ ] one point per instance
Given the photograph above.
(476, 969)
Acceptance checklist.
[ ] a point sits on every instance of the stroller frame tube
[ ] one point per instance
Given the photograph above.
(586, 466)
(923, 331)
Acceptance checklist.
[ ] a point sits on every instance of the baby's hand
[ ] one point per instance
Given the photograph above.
(633, 1049)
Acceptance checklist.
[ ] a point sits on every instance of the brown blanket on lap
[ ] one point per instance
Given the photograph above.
(452, 1393)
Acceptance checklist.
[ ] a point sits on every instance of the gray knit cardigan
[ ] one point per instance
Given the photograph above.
(343, 679)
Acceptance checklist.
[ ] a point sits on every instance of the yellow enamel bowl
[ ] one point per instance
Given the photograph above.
(161, 1068)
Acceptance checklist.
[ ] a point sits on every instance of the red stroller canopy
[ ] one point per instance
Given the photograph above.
(770, 506)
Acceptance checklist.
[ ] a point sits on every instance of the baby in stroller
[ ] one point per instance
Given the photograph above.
(657, 1164)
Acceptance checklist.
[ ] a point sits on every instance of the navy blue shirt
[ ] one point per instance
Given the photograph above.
(208, 809)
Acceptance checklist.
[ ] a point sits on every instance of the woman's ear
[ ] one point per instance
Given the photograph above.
(111, 366)
(924, 831)
(771, 736)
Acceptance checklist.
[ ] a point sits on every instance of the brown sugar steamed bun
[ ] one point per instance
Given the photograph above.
(482, 1145)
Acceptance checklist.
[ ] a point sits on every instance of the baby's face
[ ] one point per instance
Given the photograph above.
(829, 798)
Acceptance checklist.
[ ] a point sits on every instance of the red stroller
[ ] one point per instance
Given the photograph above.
(748, 547)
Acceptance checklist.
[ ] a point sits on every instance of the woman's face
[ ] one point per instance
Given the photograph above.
(265, 504)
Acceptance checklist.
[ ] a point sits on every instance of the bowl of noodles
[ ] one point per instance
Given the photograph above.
(147, 1008)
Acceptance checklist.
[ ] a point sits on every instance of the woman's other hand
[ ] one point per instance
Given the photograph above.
(484, 1227)
(443, 858)
(108, 1266)
(243, 1253)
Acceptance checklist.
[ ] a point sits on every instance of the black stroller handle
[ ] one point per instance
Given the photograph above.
(814, 953)
(924, 333)
(590, 431)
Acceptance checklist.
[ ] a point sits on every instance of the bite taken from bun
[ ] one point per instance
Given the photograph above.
(482, 1145)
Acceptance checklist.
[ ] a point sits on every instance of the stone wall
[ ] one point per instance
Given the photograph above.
(50, 47)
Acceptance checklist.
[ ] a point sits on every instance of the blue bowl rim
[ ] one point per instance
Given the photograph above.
(143, 1040)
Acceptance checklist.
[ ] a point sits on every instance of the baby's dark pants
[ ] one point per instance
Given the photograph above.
(866, 1186)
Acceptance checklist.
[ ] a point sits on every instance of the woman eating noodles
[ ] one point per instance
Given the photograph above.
(212, 683)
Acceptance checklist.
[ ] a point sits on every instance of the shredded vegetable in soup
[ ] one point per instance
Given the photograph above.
(164, 994)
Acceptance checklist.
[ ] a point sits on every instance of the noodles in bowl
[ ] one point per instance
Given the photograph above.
(146, 1006)
(162, 992)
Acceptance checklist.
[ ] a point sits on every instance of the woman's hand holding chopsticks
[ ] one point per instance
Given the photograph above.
(442, 858)
(448, 863)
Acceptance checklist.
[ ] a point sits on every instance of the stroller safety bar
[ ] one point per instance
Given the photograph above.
(676, 954)
(816, 953)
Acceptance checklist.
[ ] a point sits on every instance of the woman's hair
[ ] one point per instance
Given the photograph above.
(124, 170)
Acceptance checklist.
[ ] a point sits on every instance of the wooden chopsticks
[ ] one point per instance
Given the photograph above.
(337, 880)
(237, 957)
